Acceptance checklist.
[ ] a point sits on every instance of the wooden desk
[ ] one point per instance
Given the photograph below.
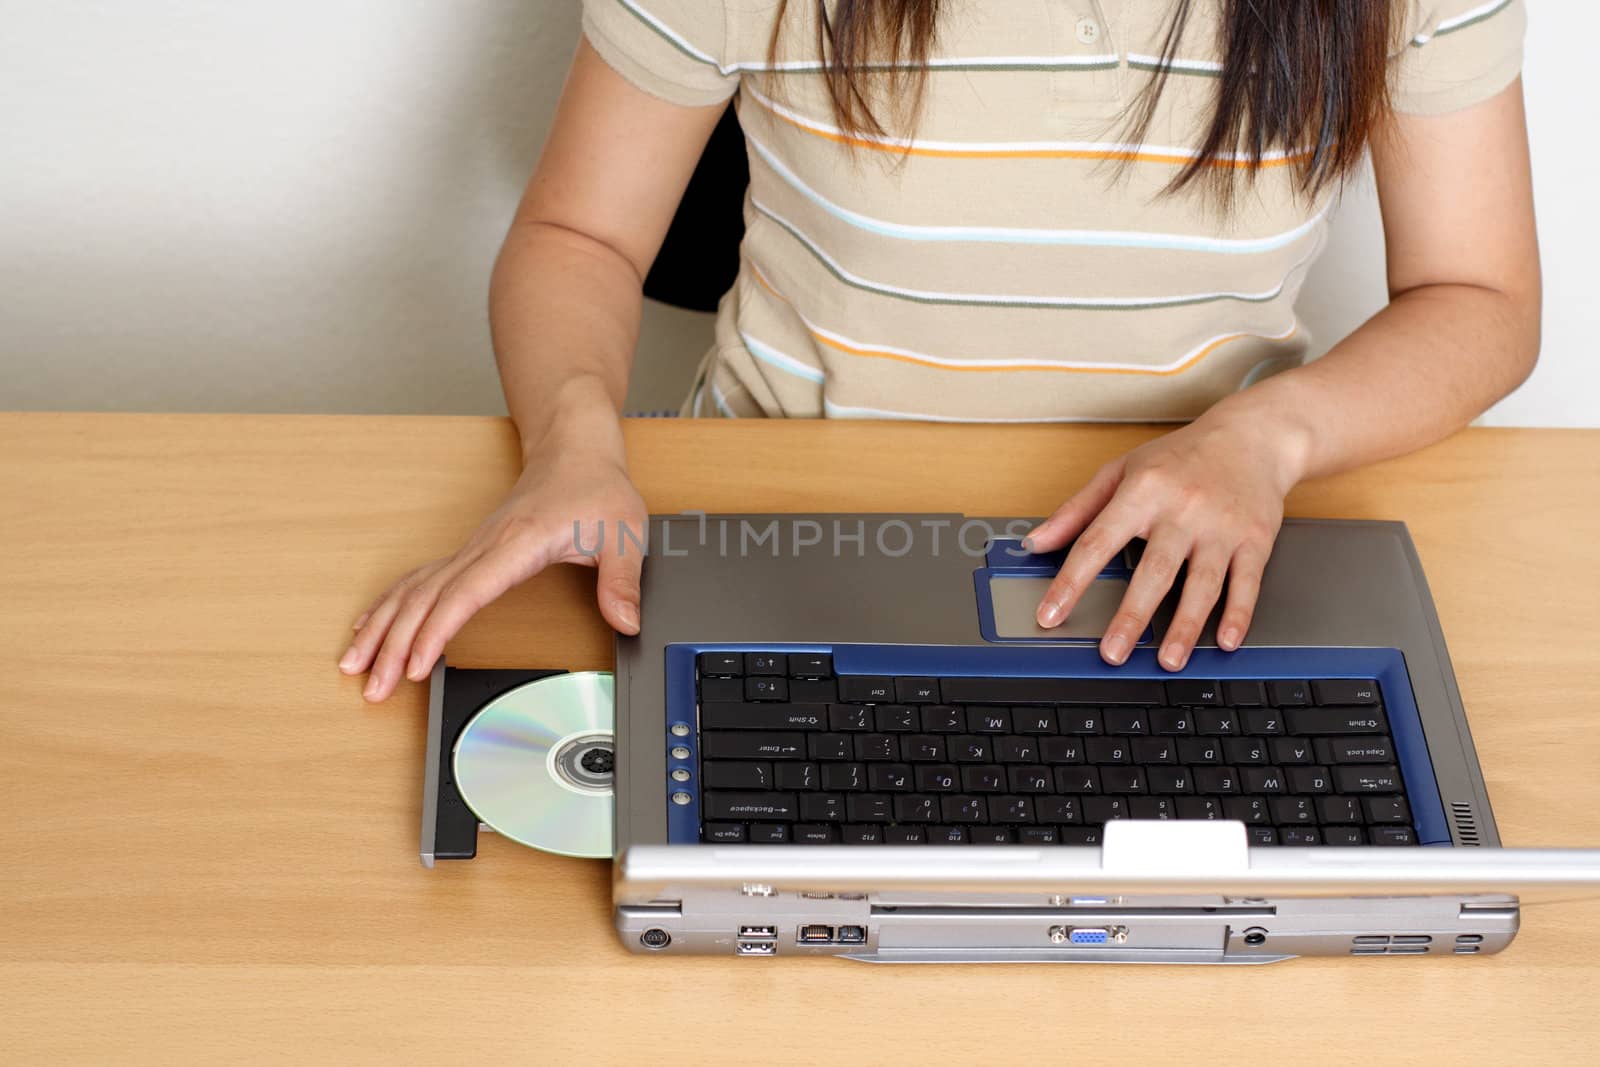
(210, 841)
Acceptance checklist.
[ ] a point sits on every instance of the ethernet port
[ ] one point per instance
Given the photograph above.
(814, 934)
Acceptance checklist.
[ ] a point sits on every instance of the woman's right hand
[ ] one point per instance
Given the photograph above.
(553, 509)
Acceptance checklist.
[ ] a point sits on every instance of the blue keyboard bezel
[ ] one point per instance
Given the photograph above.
(1386, 665)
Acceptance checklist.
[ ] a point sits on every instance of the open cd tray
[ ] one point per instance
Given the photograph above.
(455, 694)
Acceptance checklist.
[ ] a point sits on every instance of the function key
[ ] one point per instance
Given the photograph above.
(810, 665)
(1287, 694)
(917, 690)
(765, 688)
(1345, 691)
(726, 664)
(1244, 694)
(1299, 835)
(1194, 693)
(1343, 835)
(866, 689)
(766, 663)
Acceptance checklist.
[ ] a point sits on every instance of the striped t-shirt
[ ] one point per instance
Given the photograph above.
(999, 262)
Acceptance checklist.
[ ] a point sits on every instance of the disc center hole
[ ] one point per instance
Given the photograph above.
(598, 761)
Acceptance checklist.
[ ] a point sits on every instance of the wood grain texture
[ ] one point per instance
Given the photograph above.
(210, 840)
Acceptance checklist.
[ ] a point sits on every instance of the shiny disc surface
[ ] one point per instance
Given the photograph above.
(535, 764)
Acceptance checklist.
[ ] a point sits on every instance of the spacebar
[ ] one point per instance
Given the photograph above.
(1052, 691)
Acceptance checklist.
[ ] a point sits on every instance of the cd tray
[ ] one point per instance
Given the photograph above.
(449, 828)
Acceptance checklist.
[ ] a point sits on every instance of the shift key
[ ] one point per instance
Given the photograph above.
(717, 716)
(1311, 722)
(768, 807)
(750, 745)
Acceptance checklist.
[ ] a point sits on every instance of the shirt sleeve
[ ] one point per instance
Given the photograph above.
(674, 49)
(1458, 53)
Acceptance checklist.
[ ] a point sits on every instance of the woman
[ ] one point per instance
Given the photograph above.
(1051, 211)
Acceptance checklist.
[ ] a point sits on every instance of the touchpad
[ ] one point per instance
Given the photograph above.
(1016, 603)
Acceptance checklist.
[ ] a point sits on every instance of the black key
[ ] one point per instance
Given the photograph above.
(845, 776)
(1127, 721)
(766, 689)
(1392, 835)
(1193, 693)
(1339, 809)
(1081, 720)
(1202, 750)
(1067, 810)
(1291, 750)
(1383, 778)
(877, 747)
(721, 774)
(1037, 835)
(1148, 750)
(1104, 809)
(810, 665)
(985, 779)
(1309, 780)
(1262, 835)
(989, 835)
(922, 748)
(1294, 811)
(941, 779)
(1287, 694)
(1208, 808)
(1107, 750)
(1345, 691)
(766, 663)
(1052, 691)
(750, 745)
(1077, 780)
(1215, 722)
(1171, 721)
(1080, 835)
(721, 689)
(916, 807)
(797, 777)
(1122, 779)
(1262, 721)
(917, 690)
(989, 720)
(897, 718)
(727, 664)
(728, 807)
(1343, 835)
(822, 807)
(724, 833)
(1252, 811)
(1162, 808)
(1244, 750)
(1170, 780)
(1010, 810)
(1355, 750)
(1032, 779)
(769, 833)
(844, 717)
(1261, 779)
(1244, 694)
(869, 807)
(1299, 835)
(969, 749)
(1322, 721)
(1061, 750)
(1016, 749)
(1033, 720)
(1217, 781)
(866, 689)
(830, 746)
(963, 809)
(947, 835)
(853, 834)
(943, 719)
(889, 777)
(1387, 810)
(814, 834)
(763, 716)
(813, 691)
(904, 835)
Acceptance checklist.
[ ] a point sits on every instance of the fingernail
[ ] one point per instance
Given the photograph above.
(359, 623)
(1116, 648)
(415, 670)
(1049, 614)
(373, 685)
(628, 614)
(1172, 656)
(348, 661)
(1228, 639)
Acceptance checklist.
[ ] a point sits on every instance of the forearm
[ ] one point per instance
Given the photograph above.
(1424, 367)
(564, 308)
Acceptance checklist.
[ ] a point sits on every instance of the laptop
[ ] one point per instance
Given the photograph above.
(845, 736)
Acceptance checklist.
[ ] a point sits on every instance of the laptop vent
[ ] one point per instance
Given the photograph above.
(1466, 823)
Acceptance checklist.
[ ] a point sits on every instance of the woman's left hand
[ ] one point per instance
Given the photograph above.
(1210, 494)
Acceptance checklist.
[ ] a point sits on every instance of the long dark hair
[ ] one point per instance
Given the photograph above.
(1304, 77)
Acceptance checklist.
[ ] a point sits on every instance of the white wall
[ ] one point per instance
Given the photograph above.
(294, 206)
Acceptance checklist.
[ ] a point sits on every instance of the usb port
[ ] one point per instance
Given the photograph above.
(852, 935)
(814, 933)
(756, 948)
(758, 931)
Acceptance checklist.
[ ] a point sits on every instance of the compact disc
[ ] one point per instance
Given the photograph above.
(535, 764)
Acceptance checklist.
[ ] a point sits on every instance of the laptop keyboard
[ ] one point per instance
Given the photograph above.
(792, 753)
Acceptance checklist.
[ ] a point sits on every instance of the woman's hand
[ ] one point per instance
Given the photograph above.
(1210, 494)
(553, 509)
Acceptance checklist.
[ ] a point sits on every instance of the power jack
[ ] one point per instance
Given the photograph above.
(1255, 936)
